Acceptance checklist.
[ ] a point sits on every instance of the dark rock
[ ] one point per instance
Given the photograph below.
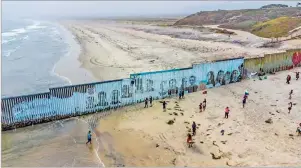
(201, 142)
(276, 134)
(230, 134)
(269, 121)
(157, 145)
(182, 114)
(290, 135)
(223, 142)
(176, 114)
(170, 113)
(170, 122)
(174, 161)
(215, 157)
(199, 124)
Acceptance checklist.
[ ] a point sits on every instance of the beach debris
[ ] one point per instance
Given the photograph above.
(176, 114)
(269, 121)
(182, 114)
(276, 134)
(215, 157)
(291, 135)
(201, 142)
(170, 122)
(230, 134)
(157, 145)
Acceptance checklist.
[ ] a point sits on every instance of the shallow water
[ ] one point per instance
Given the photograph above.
(60, 143)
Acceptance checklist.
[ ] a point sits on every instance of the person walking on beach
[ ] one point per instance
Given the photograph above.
(201, 107)
(89, 138)
(288, 79)
(164, 105)
(146, 103)
(290, 105)
(290, 94)
(189, 140)
(299, 129)
(151, 101)
(227, 110)
(204, 104)
(183, 94)
(193, 128)
(297, 75)
(244, 101)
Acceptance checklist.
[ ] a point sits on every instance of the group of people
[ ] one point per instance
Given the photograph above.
(150, 102)
(181, 94)
(202, 106)
(288, 78)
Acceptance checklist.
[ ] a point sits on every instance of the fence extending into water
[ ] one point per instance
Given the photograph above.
(74, 100)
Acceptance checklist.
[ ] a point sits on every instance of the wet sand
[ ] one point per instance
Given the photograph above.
(137, 136)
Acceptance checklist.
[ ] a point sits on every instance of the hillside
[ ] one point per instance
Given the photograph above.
(278, 27)
(238, 19)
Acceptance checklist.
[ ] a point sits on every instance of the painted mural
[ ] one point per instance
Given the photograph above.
(88, 98)
(271, 63)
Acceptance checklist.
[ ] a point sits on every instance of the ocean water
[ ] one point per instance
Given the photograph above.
(30, 50)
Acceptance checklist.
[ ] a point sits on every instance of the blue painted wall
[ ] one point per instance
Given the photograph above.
(88, 98)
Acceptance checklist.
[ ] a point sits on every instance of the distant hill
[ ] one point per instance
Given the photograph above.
(274, 6)
(239, 19)
(278, 27)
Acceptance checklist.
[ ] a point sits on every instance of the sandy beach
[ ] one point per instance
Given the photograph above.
(113, 50)
(137, 136)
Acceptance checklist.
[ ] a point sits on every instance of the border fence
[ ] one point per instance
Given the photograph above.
(75, 100)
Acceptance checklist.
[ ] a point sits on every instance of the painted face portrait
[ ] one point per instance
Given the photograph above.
(234, 76)
(226, 79)
(172, 84)
(219, 77)
(210, 77)
(192, 80)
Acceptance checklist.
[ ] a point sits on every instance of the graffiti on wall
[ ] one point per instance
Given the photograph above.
(296, 59)
(93, 97)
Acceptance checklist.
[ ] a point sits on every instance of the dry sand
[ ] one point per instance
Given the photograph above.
(112, 50)
(248, 139)
(137, 136)
(129, 135)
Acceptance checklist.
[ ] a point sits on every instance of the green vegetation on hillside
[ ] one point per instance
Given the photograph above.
(278, 27)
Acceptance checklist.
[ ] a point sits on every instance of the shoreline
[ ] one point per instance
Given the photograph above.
(69, 68)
